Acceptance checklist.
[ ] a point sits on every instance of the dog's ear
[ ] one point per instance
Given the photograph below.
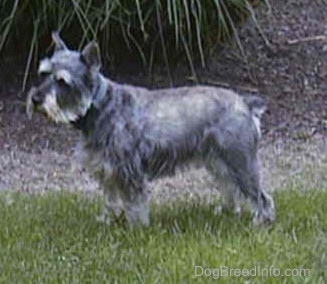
(91, 55)
(58, 42)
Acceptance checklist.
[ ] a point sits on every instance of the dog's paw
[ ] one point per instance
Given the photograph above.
(221, 209)
(260, 220)
(103, 219)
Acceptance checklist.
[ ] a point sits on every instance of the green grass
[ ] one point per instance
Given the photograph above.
(54, 239)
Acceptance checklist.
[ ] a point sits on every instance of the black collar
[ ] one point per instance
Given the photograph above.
(86, 123)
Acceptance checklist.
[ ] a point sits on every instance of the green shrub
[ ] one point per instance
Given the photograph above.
(154, 30)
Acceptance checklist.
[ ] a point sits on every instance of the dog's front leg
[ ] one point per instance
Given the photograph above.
(136, 206)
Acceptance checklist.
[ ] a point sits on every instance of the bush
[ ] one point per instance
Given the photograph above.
(155, 31)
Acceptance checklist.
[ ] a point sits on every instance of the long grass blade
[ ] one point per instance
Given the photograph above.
(162, 40)
(142, 27)
(8, 23)
(33, 46)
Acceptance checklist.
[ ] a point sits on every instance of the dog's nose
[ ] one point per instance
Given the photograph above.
(36, 100)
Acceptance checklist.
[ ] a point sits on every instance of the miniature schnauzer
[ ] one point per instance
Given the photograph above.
(132, 135)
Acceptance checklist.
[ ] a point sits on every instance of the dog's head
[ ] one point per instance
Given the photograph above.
(68, 79)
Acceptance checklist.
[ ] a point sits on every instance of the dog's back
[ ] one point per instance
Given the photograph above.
(176, 114)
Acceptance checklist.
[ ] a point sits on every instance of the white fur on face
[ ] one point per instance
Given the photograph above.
(55, 113)
(64, 75)
(85, 105)
(256, 116)
(257, 124)
(45, 66)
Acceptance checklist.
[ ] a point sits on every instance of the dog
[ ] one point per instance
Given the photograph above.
(132, 135)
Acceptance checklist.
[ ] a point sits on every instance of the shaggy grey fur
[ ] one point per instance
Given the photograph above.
(133, 135)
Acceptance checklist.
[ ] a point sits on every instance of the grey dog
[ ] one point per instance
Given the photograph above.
(132, 135)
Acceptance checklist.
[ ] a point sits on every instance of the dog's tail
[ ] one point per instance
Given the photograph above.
(256, 105)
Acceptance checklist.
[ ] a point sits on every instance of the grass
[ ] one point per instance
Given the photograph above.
(53, 239)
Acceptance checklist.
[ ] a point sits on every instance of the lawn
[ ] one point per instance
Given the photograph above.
(53, 238)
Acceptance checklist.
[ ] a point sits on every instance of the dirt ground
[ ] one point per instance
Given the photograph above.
(284, 61)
